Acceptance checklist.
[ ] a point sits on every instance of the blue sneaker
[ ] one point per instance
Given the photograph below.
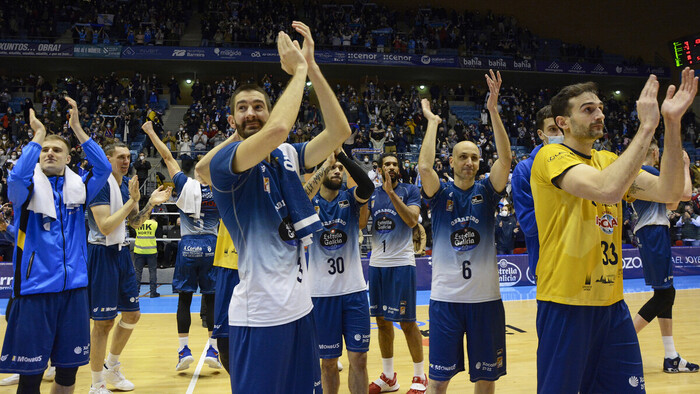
(185, 359)
(212, 358)
(679, 364)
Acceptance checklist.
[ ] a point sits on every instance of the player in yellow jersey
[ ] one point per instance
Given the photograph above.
(587, 341)
(226, 271)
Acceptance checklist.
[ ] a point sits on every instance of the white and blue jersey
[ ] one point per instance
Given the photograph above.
(334, 256)
(649, 212)
(273, 288)
(464, 251)
(102, 198)
(392, 239)
(208, 222)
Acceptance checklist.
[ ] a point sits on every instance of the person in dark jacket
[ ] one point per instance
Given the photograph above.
(50, 267)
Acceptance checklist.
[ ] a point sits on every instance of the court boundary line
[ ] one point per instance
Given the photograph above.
(195, 376)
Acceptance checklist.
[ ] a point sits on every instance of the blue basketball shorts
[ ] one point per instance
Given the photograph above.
(193, 264)
(392, 293)
(276, 360)
(587, 349)
(226, 280)
(483, 323)
(113, 286)
(43, 327)
(655, 251)
(342, 316)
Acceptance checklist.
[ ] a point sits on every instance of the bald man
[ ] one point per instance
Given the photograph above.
(465, 297)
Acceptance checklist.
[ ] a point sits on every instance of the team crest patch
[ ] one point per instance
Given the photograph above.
(266, 184)
(344, 203)
(372, 204)
(478, 199)
(317, 208)
(450, 205)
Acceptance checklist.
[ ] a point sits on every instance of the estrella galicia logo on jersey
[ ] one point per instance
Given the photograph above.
(287, 233)
(344, 203)
(333, 239)
(606, 223)
(384, 225)
(478, 199)
(465, 239)
(509, 274)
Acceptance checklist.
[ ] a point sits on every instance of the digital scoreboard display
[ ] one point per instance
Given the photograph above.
(686, 51)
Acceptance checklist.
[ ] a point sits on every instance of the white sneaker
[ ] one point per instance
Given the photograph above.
(10, 380)
(50, 373)
(101, 389)
(340, 366)
(116, 378)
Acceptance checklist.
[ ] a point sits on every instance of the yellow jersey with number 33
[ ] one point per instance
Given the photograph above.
(580, 259)
(225, 254)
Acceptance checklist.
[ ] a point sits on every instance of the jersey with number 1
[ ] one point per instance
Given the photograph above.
(334, 256)
(392, 239)
(464, 250)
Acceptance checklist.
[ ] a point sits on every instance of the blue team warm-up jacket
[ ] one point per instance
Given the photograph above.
(55, 260)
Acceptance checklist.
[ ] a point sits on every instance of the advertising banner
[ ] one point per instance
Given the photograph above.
(35, 49)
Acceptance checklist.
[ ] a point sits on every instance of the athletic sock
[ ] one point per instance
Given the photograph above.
(183, 342)
(418, 369)
(388, 366)
(97, 378)
(112, 359)
(669, 348)
(212, 343)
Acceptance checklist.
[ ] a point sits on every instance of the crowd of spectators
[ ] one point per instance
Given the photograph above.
(368, 26)
(384, 118)
(132, 22)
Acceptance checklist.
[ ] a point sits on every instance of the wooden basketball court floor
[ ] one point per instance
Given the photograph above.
(150, 357)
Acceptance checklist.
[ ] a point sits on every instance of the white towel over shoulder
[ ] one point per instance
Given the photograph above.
(190, 199)
(42, 201)
(118, 236)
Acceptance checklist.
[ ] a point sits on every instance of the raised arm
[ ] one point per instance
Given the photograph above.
(159, 196)
(314, 183)
(170, 162)
(20, 177)
(408, 213)
(610, 185)
(259, 146)
(337, 128)
(429, 178)
(74, 121)
(670, 185)
(202, 167)
(501, 168)
(107, 222)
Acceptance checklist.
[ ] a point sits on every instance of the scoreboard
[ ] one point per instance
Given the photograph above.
(686, 51)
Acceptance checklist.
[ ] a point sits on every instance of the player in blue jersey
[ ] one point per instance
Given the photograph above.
(549, 133)
(199, 220)
(652, 230)
(263, 205)
(48, 318)
(338, 287)
(113, 285)
(395, 207)
(465, 297)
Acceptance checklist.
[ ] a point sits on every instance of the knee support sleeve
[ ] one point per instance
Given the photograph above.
(659, 305)
(66, 376)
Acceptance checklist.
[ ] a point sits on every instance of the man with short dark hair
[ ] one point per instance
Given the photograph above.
(395, 207)
(49, 318)
(587, 341)
(273, 347)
